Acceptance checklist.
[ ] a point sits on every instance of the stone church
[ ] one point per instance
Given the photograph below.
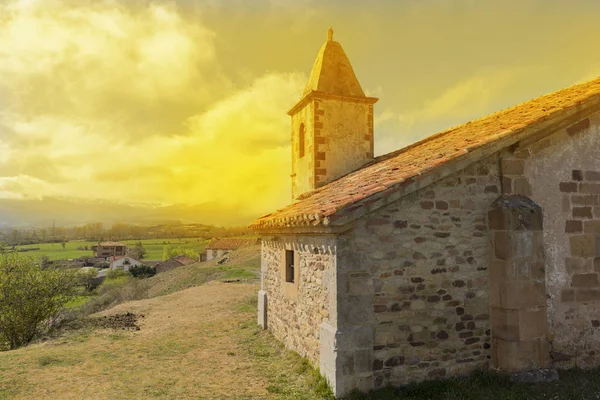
(475, 248)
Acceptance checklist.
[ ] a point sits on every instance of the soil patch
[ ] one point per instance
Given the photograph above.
(124, 321)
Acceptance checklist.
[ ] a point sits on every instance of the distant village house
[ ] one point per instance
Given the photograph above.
(124, 262)
(109, 249)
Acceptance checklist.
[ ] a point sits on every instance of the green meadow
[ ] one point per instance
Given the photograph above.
(154, 248)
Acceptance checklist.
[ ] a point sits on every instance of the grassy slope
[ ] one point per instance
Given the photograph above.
(154, 248)
(200, 342)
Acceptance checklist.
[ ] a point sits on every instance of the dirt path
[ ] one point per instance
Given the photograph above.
(187, 347)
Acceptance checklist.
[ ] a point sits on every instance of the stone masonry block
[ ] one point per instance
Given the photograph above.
(592, 226)
(587, 295)
(521, 243)
(585, 280)
(262, 309)
(573, 226)
(357, 337)
(498, 271)
(582, 212)
(592, 176)
(497, 219)
(328, 355)
(522, 294)
(585, 200)
(363, 361)
(520, 356)
(518, 325)
(582, 245)
(512, 167)
(589, 188)
(514, 244)
(567, 187)
(502, 250)
(522, 187)
(357, 310)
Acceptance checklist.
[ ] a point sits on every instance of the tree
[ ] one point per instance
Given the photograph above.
(138, 252)
(44, 261)
(87, 278)
(30, 297)
(142, 271)
(170, 252)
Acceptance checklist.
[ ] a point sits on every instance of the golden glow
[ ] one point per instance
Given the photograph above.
(182, 102)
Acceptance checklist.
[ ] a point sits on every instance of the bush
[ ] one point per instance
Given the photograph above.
(113, 292)
(116, 274)
(30, 297)
(171, 252)
(142, 271)
(88, 278)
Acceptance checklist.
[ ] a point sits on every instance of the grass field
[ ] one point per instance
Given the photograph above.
(154, 248)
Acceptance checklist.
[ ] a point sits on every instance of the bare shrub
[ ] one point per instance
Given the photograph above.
(30, 297)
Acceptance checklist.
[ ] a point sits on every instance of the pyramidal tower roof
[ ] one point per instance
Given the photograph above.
(332, 72)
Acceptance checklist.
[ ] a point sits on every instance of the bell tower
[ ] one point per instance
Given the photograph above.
(332, 124)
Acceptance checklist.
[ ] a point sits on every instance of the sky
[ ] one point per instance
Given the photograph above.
(184, 102)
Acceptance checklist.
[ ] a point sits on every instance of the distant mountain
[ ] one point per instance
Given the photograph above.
(66, 212)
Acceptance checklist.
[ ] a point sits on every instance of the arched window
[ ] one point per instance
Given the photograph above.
(301, 141)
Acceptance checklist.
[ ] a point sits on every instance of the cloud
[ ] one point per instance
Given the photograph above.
(24, 187)
(120, 102)
(106, 58)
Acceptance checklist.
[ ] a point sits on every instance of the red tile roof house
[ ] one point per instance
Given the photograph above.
(109, 249)
(475, 248)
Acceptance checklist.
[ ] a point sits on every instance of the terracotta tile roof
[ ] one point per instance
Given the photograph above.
(395, 171)
(185, 260)
(111, 244)
(168, 264)
(229, 243)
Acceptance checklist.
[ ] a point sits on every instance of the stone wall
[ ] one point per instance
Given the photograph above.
(345, 140)
(563, 175)
(295, 316)
(338, 135)
(303, 168)
(211, 254)
(423, 261)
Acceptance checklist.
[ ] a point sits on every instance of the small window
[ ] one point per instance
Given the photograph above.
(301, 141)
(289, 266)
